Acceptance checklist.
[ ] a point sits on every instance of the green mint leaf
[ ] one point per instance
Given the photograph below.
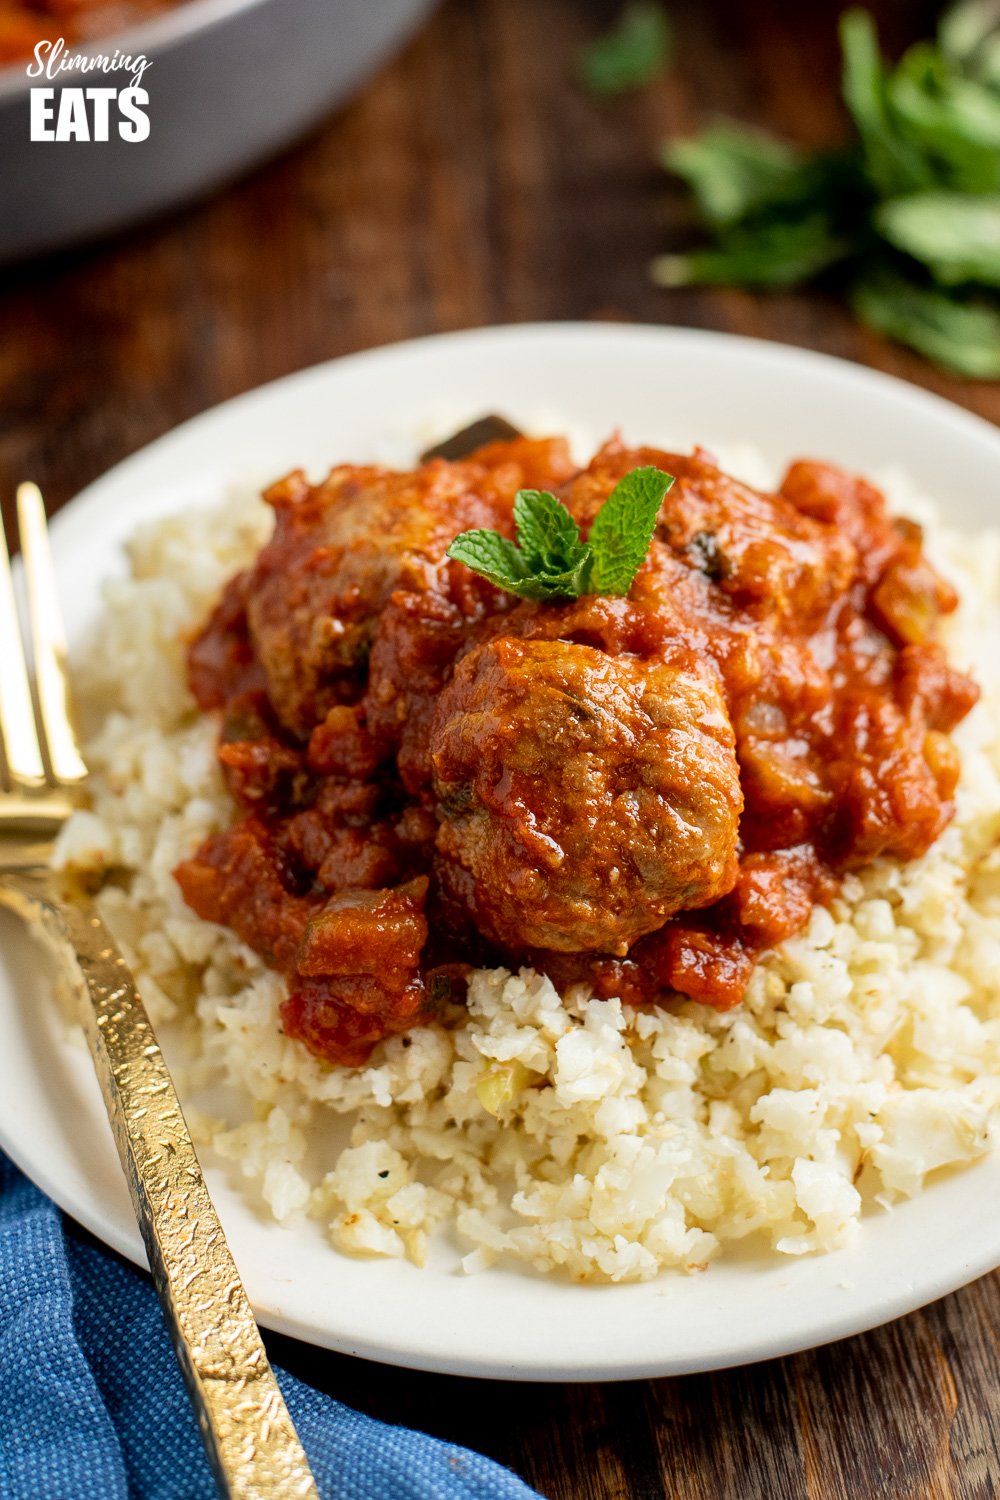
(987, 66)
(921, 176)
(863, 79)
(955, 235)
(967, 30)
(553, 587)
(952, 120)
(893, 163)
(780, 254)
(734, 171)
(550, 561)
(547, 535)
(963, 335)
(497, 559)
(493, 556)
(623, 529)
(634, 52)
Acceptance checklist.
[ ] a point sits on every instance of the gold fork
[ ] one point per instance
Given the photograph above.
(248, 1434)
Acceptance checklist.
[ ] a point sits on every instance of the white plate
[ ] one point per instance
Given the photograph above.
(656, 384)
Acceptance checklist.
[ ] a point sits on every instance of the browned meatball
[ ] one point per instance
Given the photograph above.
(342, 547)
(755, 548)
(583, 797)
(339, 550)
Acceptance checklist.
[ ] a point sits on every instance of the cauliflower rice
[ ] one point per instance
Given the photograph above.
(574, 1134)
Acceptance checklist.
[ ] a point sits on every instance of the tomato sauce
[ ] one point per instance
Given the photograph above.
(642, 794)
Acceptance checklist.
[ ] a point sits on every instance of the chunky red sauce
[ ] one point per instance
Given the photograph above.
(642, 793)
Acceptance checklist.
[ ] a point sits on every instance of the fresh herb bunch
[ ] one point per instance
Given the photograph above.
(905, 221)
(634, 52)
(551, 561)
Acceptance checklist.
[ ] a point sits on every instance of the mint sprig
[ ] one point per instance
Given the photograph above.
(547, 535)
(904, 220)
(550, 559)
(633, 53)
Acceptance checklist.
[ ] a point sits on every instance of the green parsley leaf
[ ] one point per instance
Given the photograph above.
(963, 335)
(956, 236)
(623, 529)
(632, 54)
(550, 561)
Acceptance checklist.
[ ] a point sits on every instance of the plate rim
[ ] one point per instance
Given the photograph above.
(569, 330)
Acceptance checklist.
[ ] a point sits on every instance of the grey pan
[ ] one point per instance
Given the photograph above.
(230, 82)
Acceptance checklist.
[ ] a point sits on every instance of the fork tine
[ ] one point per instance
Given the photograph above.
(17, 715)
(48, 641)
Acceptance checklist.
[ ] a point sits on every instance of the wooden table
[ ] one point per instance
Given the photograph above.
(472, 183)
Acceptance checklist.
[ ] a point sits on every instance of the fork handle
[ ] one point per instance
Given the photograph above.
(252, 1446)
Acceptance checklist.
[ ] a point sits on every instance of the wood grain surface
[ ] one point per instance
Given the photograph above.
(473, 183)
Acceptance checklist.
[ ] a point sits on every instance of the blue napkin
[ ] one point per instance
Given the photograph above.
(92, 1406)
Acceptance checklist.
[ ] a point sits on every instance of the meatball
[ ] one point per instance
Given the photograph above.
(583, 798)
(758, 549)
(341, 548)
